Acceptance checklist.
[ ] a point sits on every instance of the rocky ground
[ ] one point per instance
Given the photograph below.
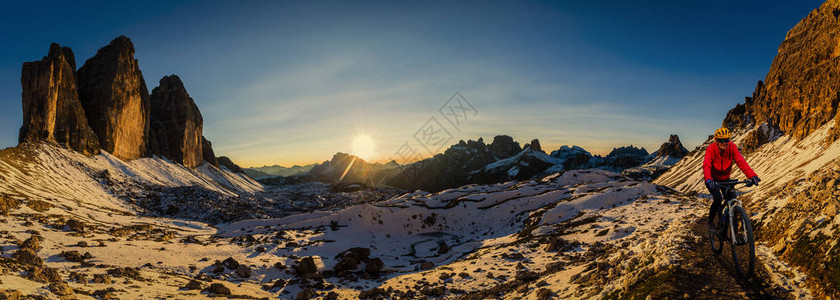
(578, 234)
(703, 275)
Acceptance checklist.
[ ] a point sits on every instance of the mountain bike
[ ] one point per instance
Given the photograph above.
(734, 224)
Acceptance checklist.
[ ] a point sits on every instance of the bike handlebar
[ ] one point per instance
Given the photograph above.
(734, 183)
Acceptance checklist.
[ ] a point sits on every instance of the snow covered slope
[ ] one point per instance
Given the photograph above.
(71, 226)
(103, 183)
(575, 235)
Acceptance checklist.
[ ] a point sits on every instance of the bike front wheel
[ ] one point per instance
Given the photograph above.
(743, 243)
(715, 236)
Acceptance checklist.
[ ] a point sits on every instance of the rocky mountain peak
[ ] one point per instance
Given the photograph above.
(625, 157)
(176, 123)
(534, 145)
(105, 105)
(630, 150)
(170, 84)
(504, 146)
(115, 99)
(799, 93)
(57, 51)
(51, 108)
(673, 147)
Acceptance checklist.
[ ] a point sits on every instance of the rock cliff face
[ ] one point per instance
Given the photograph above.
(116, 100)
(504, 146)
(525, 165)
(474, 162)
(452, 167)
(347, 168)
(176, 123)
(660, 161)
(673, 147)
(573, 157)
(51, 108)
(105, 106)
(230, 165)
(534, 145)
(624, 157)
(801, 91)
(207, 152)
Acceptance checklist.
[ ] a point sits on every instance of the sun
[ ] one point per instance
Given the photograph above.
(363, 147)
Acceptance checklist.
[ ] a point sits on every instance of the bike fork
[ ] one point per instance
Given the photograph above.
(731, 226)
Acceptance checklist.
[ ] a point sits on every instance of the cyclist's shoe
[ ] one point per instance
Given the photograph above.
(739, 240)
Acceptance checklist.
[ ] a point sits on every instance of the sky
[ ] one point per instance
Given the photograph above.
(294, 82)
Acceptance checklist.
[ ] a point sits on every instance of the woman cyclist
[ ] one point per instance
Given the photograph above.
(717, 166)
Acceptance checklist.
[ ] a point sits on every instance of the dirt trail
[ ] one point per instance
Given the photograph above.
(704, 275)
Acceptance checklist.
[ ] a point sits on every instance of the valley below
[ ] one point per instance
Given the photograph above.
(85, 227)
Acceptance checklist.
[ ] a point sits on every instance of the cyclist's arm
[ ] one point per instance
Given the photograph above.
(707, 164)
(742, 164)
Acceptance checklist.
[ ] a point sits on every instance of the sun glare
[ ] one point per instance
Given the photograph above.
(363, 147)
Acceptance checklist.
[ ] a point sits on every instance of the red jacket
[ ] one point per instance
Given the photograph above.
(718, 163)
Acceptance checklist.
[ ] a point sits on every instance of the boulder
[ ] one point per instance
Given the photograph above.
(176, 124)
(243, 271)
(306, 293)
(73, 256)
(527, 276)
(62, 289)
(115, 100)
(10, 294)
(350, 259)
(230, 263)
(374, 266)
(33, 243)
(27, 256)
(306, 268)
(8, 204)
(218, 289)
(193, 285)
(52, 111)
(42, 274)
(102, 278)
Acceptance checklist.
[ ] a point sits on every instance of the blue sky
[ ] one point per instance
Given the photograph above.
(295, 82)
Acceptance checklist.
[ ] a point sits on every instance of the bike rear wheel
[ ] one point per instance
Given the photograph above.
(743, 243)
(715, 236)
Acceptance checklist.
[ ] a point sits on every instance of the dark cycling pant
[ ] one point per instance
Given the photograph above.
(718, 196)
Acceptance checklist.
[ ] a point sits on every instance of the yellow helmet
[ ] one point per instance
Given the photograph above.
(723, 133)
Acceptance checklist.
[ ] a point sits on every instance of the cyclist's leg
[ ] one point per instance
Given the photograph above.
(717, 199)
(729, 194)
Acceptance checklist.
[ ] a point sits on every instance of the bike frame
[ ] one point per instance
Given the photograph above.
(732, 203)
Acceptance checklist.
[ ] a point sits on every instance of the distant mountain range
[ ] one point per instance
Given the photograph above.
(475, 162)
(277, 170)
